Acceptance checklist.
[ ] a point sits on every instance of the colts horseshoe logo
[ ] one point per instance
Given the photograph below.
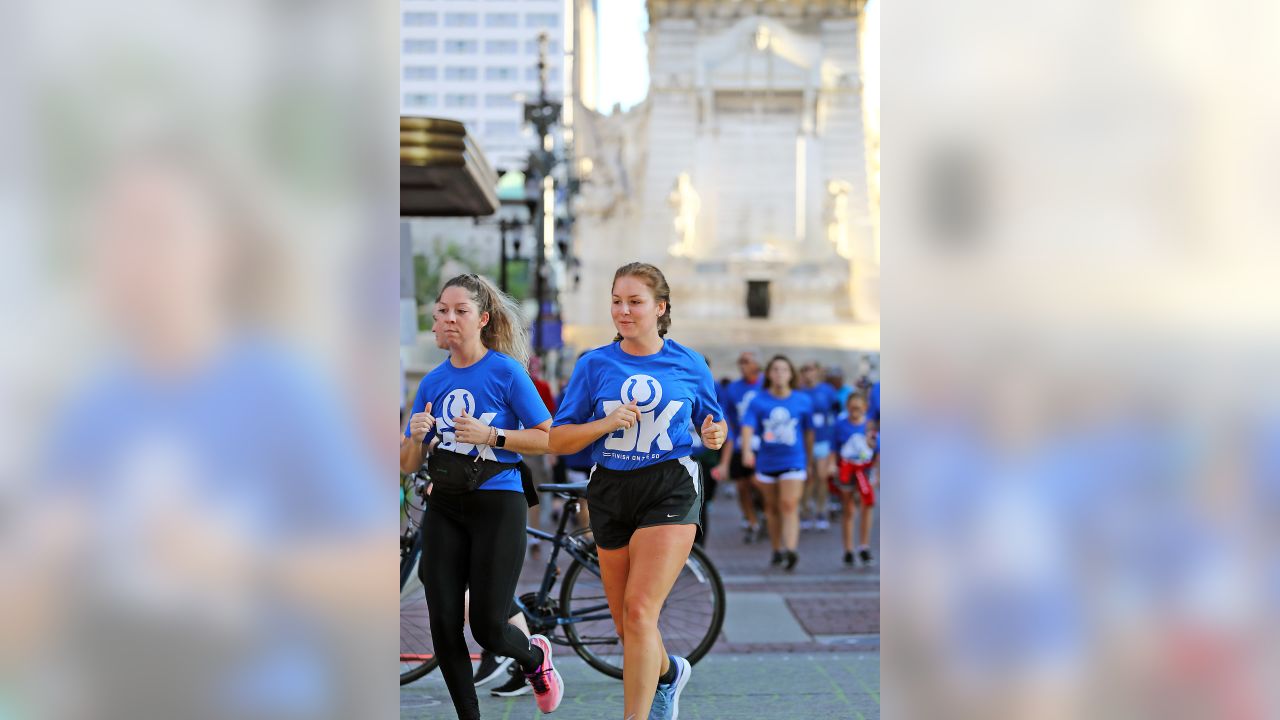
(644, 390)
(456, 401)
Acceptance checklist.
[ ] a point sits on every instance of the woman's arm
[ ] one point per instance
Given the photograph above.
(411, 454)
(568, 439)
(530, 441)
(412, 450)
(748, 455)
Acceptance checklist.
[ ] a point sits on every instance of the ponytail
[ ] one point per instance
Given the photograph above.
(505, 331)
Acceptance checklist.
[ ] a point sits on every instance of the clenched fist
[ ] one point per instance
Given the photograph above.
(471, 431)
(623, 416)
(712, 434)
(421, 423)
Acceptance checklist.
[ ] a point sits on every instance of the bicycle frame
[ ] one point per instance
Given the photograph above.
(562, 541)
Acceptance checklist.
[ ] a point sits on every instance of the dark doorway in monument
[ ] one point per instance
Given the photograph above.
(757, 298)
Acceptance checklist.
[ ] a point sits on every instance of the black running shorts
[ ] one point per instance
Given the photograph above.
(623, 501)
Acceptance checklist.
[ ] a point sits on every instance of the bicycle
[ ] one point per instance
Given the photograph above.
(417, 652)
(690, 621)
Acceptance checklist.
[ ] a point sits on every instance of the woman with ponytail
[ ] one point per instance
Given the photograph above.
(632, 402)
(483, 408)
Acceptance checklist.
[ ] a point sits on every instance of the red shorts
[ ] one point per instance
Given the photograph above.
(856, 476)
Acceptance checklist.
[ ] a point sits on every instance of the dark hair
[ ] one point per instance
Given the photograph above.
(768, 384)
(858, 396)
(657, 283)
(505, 331)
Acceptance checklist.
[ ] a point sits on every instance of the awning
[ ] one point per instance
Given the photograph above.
(442, 171)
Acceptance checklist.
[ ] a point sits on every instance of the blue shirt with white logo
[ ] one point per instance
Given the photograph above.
(672, 388)
(825, 411)
(780, 423)
(740, 393)
(851, 442)
(497, 391)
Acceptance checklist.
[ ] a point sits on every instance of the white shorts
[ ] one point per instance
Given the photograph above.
(784, 475)
(821, 449)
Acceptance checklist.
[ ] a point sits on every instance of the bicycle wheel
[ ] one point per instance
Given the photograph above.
(690, 621)
(417, 653)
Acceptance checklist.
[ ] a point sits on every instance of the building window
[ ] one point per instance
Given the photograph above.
(460, 47)
(456, 100)
(418, 46)
(420, 100)
(501, 73)
(463, 72)
(538, 20)
(420, 19)
(460, 20)
(419, 72)
(501, 20)
(498, 100)
(531, 47)
(501, 47)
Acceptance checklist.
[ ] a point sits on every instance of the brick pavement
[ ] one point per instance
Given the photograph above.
(767, 686)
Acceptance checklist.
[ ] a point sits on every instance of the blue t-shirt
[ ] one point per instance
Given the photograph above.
(825, 410)
(497, 391)
(780, 423)
(851, 441)
(672, 387)
(739, 395)
(873, 402)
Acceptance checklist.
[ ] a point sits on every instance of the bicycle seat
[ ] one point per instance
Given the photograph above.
(570, 489)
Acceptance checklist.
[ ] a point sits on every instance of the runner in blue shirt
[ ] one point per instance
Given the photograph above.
(739, 394)
(826, 408)
(634, 399)
(856, 441)
(783, 421)
(482, 408)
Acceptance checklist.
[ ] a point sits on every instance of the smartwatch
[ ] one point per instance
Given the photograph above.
(502, 438)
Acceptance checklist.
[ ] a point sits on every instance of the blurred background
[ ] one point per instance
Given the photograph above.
(198, 293)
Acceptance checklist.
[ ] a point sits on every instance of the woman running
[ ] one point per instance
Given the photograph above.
(783, 420)
(637, 396)
(473, 533)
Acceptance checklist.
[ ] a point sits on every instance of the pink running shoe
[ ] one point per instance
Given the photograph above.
(548, 688)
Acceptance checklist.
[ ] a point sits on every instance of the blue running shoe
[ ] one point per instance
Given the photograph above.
(666, 702)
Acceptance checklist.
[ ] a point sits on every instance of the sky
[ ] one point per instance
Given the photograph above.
(623, 54)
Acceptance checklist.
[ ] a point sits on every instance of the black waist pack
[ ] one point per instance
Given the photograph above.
(454, 474)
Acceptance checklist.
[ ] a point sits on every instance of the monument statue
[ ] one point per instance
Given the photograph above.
(838, 220)
(684, 200)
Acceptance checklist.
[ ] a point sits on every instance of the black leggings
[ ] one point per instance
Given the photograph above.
(474, 540)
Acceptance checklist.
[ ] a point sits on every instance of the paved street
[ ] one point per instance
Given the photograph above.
(803, 644)
(830, 686)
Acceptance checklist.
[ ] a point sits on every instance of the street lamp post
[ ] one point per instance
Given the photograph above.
(542, 114)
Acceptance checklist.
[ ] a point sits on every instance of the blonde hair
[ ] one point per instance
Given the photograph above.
(657, 283)
(505, 331)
